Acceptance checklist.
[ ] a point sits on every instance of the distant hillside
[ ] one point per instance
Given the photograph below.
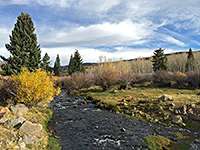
(146, 58)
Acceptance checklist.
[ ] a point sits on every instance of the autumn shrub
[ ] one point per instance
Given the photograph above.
(61, 81)
(142, 78)
(80, 80)
(34, 87)
(180, 79)
(106, 76)
(163, 78)
(193, 79)
(125, 80)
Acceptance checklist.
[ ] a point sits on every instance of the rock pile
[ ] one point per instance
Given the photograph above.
(27, 132)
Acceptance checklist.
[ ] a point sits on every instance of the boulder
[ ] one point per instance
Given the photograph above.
(165, 98)
(16, 123)
(19, 109)
(32, 129)
(177, 119)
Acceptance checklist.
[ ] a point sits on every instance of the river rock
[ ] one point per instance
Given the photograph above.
(17, 122)
(34, 129)
(19, 109)
(177, 119)
(165, 98)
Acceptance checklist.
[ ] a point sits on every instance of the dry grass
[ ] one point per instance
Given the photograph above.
(180, 96)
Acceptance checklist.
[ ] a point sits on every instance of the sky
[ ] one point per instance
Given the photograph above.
(116, 29)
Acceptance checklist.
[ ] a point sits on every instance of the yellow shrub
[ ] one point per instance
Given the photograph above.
(34, 87)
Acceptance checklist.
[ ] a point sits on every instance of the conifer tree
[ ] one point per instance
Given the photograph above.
(45, 64)
(23, 47)
(190, 62)
(57, 67)
(159, 60)
(75, 64)
(71, 65)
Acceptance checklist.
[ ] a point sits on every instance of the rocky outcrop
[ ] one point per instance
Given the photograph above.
(21, 132)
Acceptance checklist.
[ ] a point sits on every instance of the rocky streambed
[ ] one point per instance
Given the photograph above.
(81, 125)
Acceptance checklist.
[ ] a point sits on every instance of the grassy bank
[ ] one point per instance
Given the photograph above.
(143, 103)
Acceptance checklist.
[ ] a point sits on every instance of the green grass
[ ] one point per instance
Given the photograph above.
(53, 144)
(186, 136)
(161, 143)
(180, 96)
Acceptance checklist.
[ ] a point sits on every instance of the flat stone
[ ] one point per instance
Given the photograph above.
(19, 109)
(34, 129)
(17, 122)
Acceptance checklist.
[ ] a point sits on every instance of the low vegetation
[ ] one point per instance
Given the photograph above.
(161, 143)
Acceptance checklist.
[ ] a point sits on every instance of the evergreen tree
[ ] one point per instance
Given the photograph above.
(71, 65)
(190, 62)
(159, 60)
(45, 64)
(23, 47)
(75, 64)
(57, 67)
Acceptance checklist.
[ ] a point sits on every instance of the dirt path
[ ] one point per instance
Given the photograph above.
(86, 127)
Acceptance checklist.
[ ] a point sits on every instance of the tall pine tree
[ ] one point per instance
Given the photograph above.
(159, 60)
(23, 47)
(76, 63)
(190, 62)
(45, 64)
(57, 67)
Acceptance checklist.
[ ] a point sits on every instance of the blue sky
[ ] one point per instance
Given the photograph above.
(113, 28)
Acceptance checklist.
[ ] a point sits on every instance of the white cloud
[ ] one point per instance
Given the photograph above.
(105, 34)
(174, 41)
(97, 5)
